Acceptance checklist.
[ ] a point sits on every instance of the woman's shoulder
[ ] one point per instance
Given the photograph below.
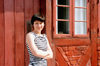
(30, 34)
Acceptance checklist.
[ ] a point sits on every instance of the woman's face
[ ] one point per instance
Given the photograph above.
(38, 26)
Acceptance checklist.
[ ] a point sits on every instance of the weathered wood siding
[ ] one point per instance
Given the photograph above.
(14, 15)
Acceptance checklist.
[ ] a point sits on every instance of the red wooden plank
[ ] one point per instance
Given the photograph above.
(88, 19)
(94, 26)
(99, 17)
(2, 30)
(29, 7)
(60, 59)
(86, 57)
(28, 14)
(9, 33)
(98, 42)
(19, 32)
(36, 6)
(49, 29)
(69, 42)
(43, 7)
(54, 18)
(67, 61)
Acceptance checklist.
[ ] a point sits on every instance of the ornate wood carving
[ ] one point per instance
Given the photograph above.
(73, 54)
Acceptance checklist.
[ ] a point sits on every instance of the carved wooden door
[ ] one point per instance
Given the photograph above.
(70, 31)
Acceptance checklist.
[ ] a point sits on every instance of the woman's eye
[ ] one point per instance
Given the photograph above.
(40, 23)
(36, 23)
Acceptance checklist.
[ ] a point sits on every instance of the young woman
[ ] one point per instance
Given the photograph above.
(37, 43)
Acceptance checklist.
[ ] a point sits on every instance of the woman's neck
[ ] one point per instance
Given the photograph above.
(37, 32)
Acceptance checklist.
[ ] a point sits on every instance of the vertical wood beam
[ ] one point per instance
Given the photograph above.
(19, 32)
(43, 7)
(36, 8)
(49, 29)
(29, 11)
(9, 33)
(2, 34)
(93, 20)
(98, 17)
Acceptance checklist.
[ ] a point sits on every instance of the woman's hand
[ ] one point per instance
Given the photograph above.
(49, 56)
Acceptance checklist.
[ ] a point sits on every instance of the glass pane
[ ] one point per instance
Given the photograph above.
(63, 2)
(80, 3)
(62, 27)
(80, 14)
(80, 28)
(62, 13)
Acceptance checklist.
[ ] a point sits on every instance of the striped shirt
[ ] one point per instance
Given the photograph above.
(41, 43)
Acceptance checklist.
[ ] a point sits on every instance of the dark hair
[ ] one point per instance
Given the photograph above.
(37, 17)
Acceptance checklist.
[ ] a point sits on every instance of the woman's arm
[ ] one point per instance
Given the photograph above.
(49, 50)
(35, 51)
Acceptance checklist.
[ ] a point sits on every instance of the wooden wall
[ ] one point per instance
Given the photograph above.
(14, 14)
(13, 26)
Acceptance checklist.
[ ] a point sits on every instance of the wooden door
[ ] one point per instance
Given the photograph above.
(70, 47)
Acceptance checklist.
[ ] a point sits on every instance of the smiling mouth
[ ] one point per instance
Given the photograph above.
(39, 28)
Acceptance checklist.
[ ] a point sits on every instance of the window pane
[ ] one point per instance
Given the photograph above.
(80, 28)
(63, 2)
(80, 14)
(62, 27)
(80, 3)
(62, 13)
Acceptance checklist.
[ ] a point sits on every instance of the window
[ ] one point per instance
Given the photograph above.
(70, 18)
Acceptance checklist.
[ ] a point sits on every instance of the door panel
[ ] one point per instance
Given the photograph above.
(60, 58)
(73, 55)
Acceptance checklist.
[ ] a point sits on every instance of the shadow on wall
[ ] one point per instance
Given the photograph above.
(29, 29)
